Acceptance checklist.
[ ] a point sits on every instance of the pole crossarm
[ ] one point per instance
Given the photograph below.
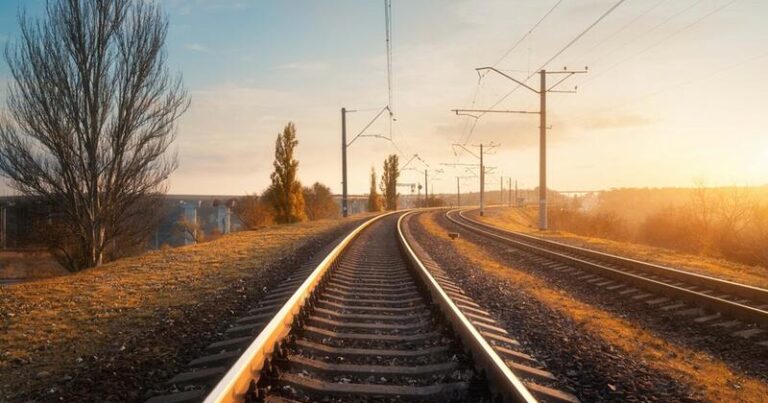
(465, 111)
(409, 161)
(568, 74)
(495, 70)
(386, 108)
(465, 149)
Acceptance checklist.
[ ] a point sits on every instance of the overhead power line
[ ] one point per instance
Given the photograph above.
(664, 39)
(665, 89)
(510, 50)
(621, 29)
(558, 53)
(527, 34)
(388, 29)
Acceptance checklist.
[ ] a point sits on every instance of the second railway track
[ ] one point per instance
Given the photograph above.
(710, 297)
(373, 324)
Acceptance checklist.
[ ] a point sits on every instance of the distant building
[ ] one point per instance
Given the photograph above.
(209, 214)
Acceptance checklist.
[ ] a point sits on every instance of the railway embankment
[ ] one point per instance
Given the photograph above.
(110, 333)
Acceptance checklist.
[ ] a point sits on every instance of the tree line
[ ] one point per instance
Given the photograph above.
(286, 201)
(730, 223)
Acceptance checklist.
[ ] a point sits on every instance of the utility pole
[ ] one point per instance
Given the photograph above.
(458, 193)
(481, 166)
(344, 209)
(509, 190)
(345, 145)
(543, 151)
(482, 182)
(501, 191)
(542, 91)
(426, 190)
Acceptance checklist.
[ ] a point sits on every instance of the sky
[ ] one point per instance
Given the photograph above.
(675, 91)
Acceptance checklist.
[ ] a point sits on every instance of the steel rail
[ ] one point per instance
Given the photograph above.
(503, 381)
(742, 290)
(235, 384)
(544, 247)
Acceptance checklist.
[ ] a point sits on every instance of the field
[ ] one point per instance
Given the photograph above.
(54, 331)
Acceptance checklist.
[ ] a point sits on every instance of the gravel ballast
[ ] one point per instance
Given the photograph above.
(588, 366)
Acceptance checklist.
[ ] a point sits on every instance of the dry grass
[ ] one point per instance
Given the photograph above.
(524, 220)
(706, 374)
(52, 323)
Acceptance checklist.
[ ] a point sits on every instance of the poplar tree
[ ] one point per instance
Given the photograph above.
(389, 181)
(374, 200)
(285, 192)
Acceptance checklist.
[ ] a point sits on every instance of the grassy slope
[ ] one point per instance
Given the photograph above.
(525, 221)
(52, 323)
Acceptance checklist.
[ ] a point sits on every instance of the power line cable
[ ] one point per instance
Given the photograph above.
(568, 45)
(621, 29)
(527, 34)
(664, 39)
(510, 50)
(677, 86)
(388, 29)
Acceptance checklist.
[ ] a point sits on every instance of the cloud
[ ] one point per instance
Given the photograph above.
(512, 133)
(195, 47)
(305, 67)
(616, 122)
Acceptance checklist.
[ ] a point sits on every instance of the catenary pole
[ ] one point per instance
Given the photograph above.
(344, 205)
(482, 182)
(543, 152)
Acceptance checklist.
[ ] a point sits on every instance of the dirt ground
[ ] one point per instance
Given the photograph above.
(113, 333)
(524, 220)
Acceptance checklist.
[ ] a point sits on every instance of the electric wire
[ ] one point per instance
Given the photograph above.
(528, 34)
(674, 87)
(659, 42)
(621, 29)
(388, 29)
(558, 53)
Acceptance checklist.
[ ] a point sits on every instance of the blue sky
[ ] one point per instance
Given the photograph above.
(665, 102)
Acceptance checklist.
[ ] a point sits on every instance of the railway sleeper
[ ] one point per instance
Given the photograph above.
(441, 392)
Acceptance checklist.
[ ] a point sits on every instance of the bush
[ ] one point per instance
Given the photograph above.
(318, 202)
(254, 212)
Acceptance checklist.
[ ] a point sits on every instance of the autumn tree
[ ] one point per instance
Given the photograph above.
(374, 199)
(285, 191)
(388, 183)
(91, 110)
(318, 202)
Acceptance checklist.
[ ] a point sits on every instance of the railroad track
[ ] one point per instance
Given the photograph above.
(371, 322)
(710, 301)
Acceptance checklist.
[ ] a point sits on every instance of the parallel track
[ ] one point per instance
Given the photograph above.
(743, 302)
(371, 323)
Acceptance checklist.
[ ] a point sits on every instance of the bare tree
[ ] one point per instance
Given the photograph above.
(91, 113)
